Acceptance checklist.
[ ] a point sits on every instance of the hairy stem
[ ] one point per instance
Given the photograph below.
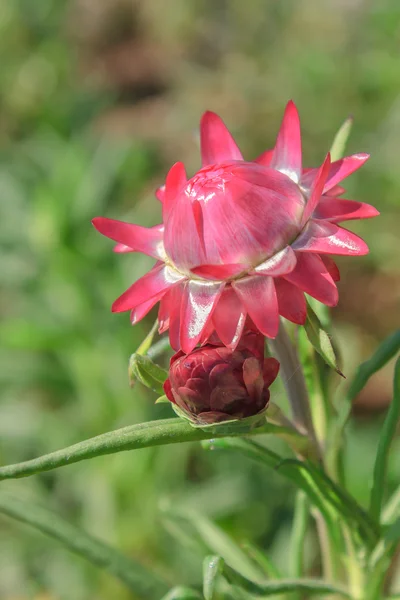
(294, 382)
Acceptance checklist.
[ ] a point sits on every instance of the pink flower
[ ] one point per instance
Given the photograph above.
(215, 383)
(241, 241)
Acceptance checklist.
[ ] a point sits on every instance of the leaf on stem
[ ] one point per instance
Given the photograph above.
(151, 375)
(321, 340)
(382, 455)
(141, 435)
(139, 580)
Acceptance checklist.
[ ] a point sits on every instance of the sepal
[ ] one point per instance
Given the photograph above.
(231, 427)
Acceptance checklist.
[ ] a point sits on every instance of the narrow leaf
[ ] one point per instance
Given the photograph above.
(148, 340)
(382, 455)
(282, 586)
(320, 489)
(340, 140)
(262, 560)
(142, 582)
(212, 567)
(142, 435)
(220, 543)
(162, 400)
(320, 339)
(182, 593)
(386, 351)
(299, 531)
(337, 497)
(142, 368)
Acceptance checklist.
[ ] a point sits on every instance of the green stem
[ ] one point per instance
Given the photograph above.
(154, 433)
(299, 531)
(294, 382)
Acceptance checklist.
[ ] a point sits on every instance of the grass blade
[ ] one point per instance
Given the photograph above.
(382, 455)
(144, 583)
(212, 567)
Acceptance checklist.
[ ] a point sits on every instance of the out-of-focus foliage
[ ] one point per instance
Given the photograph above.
(97, 100)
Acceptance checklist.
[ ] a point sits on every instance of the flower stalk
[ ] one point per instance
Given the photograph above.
(295, 385)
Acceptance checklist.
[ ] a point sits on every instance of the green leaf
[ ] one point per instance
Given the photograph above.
(142, 368)
(162, 400)
(222, 545)
(386, 351)
(385, 440)
(340, 140)
(262, 560)
(320, 339)
(182, 593)
(148, 340)
(320, 489)
(141, 581)
(212, 567)
(337, 497)
(142, 435)
(299, 532)
(282, 586)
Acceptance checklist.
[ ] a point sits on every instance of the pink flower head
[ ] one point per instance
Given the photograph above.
(215, 383)
(241, 241)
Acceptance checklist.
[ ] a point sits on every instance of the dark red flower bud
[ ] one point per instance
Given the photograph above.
(214, 384)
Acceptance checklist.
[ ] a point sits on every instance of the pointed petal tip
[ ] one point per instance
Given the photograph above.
(97, 222)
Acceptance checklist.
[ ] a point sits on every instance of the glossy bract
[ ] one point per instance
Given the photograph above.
(241, 241)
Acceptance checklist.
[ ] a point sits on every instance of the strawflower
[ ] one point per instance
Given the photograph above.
(214, 383)
(241, 241)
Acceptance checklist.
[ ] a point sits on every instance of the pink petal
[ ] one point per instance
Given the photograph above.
(121, 249)
(311, 276)
(142, 309)
(270, 370)
(280, 264)
(160, 193)
(338, 209)
(158, 280)
(175, 296)
(337, 190)
(340, 169)
(331, 267)
(328, 238)
(343, 168)
(287, 152)
(218, 272)
(198, 303)
(139, 239)
(175, 181)
(216, 142)
(265, 158)
(259, 298)
(316, 189)
(291, 301)
(229, 318)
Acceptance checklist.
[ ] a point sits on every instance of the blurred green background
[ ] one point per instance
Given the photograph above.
(97, 99)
